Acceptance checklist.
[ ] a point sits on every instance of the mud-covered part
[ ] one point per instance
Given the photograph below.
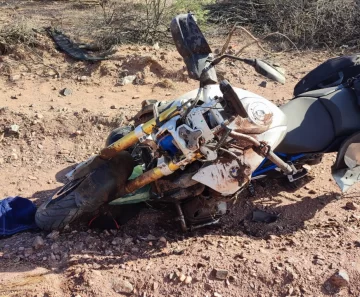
(85, 195)
(179, 185)
(74, 50)
(146, 113)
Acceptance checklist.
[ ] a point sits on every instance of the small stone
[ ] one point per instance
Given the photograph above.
(39, 116)
(14, 77)
(182, 277)
(351, 206)
(127, 80)
(21, 248)
(53, 235)
(188, 279)
(83, 78)
(38, 243)
(156, 46)
(14, 129)
(151, 237)
(155, 285)
(312, 192)
(79, 132)
(216, 294)
(123, 286)
(220, 274)
(112, 107)
(135, 250)
(66, 92)
(162, 240)
(340, 279)
(263, 84)
(135, 97)
(28, 252)
(128, 241)
(40, 146)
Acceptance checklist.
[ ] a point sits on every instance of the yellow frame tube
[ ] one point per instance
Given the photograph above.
(131, 138)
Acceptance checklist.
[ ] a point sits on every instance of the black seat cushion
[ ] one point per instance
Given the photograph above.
(344, 110)
(310, 127)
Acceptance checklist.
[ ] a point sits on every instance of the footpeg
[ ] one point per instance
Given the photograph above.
(298, 175)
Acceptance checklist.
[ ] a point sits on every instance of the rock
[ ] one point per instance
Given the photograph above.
(135, 250)
(352, 206)
(151, 237)
(40, 146)
(319, 256)
(112, 107)
(155, 285)
(122, 286)
(79, 132)
(66, 92)
(162, 240)
(127, 80)
(188, 279)
(14, 129)
(135, 97)
(83, 78)
(216, 294)
(21, 248)
(38, 243)
(28, 252)
(220, 274)
(14, 156)
(340, 279)
(39, 116)
(14, 77)
(263, 84)
(156, 46)
(128, 241)
(312, 192)
(53, 235)
(182, 277)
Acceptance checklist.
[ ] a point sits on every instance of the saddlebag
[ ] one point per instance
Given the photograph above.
(331, 73)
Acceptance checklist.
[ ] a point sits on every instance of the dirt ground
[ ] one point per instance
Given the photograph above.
(315, 235)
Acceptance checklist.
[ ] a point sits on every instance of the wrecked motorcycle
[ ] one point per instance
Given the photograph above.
(201, 150)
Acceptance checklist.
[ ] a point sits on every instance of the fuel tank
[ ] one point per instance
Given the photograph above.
(257, 107)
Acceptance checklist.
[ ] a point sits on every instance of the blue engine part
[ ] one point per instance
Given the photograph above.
(166, 143)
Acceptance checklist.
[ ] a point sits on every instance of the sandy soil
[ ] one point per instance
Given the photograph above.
(314, 237)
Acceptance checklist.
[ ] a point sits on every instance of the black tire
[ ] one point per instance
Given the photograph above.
(85, 195)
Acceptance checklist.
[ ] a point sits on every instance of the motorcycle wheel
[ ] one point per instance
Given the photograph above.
(85, 195)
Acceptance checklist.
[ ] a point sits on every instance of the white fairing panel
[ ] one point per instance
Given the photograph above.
(218, 177)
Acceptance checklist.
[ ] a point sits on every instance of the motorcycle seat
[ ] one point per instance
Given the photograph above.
(315, 123)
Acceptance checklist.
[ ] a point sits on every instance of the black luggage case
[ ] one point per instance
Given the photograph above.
(331, 73)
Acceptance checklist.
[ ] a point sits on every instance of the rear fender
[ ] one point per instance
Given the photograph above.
(346, 170)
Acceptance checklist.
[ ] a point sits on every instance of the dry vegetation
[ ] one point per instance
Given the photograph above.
(309, 23)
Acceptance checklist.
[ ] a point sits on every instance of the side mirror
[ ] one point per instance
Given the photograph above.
(270, 71)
